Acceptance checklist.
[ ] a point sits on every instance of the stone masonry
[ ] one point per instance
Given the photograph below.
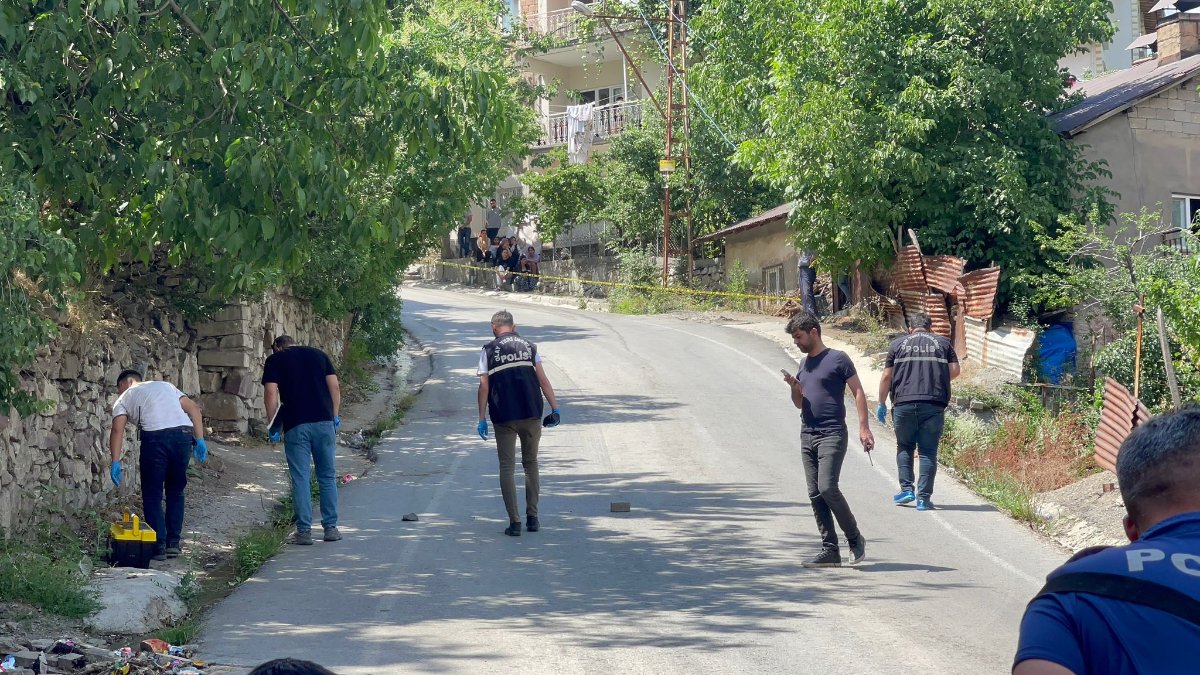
(1175, 111)
(58, 460)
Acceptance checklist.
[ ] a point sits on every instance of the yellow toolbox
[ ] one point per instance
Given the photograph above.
(131, 543)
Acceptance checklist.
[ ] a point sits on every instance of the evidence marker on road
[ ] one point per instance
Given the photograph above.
(619, 507)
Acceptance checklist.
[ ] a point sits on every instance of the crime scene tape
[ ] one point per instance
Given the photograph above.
(640, 287)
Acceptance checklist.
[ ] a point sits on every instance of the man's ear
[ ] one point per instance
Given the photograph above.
(1131, 528)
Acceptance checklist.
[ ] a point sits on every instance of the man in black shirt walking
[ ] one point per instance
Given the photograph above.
(919, 369)
(302, 387)
(511, 386)
(819, 391)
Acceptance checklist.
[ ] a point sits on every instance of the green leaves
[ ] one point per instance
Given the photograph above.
(907, 114)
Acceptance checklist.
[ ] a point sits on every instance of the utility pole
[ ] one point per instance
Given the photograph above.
(676, 113)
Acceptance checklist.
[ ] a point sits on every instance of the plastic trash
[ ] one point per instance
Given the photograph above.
(9, 663)
(347, 478)
(1056, 352)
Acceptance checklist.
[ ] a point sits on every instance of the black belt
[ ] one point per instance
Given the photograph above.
(163, 431)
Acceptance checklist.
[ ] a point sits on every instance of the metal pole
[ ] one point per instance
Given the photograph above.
(687, 136)
(1168, 362)
(670, 121)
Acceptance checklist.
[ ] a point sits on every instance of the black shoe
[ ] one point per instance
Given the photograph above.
(858, 550)
(159, 556)
(302, 538)
(514, 529)
(826, 558)
(532, 524)
(173, 551)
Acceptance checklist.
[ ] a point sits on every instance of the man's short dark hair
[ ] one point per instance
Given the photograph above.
(291, 667)
(502, 318)
(920, 320)
(805, 321)
(129, 374)
(283, 342)
(1159, 463)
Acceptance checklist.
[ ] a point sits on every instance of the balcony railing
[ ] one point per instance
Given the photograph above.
(564, 25)
(607, 121)
(1178, 240)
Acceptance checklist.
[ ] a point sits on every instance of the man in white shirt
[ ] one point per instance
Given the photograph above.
(170, 427)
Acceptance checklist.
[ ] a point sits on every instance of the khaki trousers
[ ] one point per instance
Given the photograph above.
(530, 432)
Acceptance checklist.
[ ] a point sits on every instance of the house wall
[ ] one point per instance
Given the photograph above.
(1153, 150)
(760, 248)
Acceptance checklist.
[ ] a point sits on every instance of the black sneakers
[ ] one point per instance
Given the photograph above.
(332, 533)
(826, 558)
(532, 524)
(513, 529)
(858, 550)
(302, 538)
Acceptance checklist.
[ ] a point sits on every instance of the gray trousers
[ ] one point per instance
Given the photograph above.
(529, 432)
(823, 453)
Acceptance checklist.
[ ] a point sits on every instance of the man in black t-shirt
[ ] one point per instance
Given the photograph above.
(302, 388)
(819, 391)
(919, 368)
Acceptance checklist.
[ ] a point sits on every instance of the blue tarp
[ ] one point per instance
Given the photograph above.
(1056, 353)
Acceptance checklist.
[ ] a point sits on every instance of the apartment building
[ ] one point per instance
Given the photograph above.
(582, 67)
(1131, 20)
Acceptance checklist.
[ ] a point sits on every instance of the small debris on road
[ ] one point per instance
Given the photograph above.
(410, 518)
(619, 507)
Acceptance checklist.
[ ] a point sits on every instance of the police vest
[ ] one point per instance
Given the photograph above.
(513, 389)
(921, 369)
(1161, 571)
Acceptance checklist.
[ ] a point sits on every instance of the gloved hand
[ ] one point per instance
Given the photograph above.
(481, 428)
(115, 472)
(200, 449)
(276, 436)
(553, 419)
(881, 413)
(337, 421)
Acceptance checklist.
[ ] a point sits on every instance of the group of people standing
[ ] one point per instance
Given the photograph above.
(302, 398)
(497, 246)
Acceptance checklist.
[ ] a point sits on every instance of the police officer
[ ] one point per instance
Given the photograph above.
(170, 428)
(511, 386)
(1134, 608)
(917, 375)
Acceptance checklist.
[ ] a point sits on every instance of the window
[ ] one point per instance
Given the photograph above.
(1183, 211)
(603, 95)
(773, 280)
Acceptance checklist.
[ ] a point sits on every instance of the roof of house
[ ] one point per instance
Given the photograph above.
(769, 216)
(1117, 92)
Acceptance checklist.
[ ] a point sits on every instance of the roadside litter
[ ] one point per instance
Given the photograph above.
(153, 657)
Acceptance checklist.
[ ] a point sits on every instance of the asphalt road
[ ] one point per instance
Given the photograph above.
(689, 422)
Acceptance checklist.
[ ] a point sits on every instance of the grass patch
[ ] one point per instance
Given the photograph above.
(181, 633)
(48, 577)
(1023, 452)
(258, 546)
(374, 434)
(873, 334)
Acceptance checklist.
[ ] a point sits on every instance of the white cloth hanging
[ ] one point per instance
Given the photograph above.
(580, 132)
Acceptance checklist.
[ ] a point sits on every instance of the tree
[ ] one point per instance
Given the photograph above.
(927, 115)
(254, 141)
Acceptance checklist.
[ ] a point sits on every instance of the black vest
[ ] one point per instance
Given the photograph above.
(513, 389)
(921, 369)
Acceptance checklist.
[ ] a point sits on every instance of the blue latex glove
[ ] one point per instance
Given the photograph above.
(115, 472)
(200, 449)
(553, 419)
(276, 436)
(881, 413)
(482, 429)
(337, 421)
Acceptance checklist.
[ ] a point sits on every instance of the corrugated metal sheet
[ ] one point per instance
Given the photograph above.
(976, 339)
(1006, 348)
(935, 306)
(1119, 416)
(942, 272)
(909, 273)
(981, 286)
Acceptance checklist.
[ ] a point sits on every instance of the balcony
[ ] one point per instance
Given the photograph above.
(608, 121)
(563, 24)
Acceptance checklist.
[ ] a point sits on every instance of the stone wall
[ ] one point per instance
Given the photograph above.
(58, 460)
(707, 275)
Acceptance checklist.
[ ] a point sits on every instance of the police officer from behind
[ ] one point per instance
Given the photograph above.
(511, 386)
(171, 428)
(917, 375)
(1134, 608)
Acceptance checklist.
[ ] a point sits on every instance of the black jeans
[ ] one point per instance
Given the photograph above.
(164, 461)
(823, 453)
(806, 278)
(918, 426)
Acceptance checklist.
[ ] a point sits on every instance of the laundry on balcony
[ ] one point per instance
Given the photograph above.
(607, 121)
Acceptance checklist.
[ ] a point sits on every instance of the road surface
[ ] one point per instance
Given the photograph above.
(689, 422)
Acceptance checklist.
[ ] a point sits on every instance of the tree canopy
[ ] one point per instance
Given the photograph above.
(927, 115)
(255, 141)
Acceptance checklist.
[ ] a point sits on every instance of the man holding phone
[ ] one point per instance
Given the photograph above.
(818, 389)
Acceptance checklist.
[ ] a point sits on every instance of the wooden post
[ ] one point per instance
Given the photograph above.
(1137, 353)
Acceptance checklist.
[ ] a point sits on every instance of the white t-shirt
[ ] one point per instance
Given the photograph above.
(483, 369)
(153, 406)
